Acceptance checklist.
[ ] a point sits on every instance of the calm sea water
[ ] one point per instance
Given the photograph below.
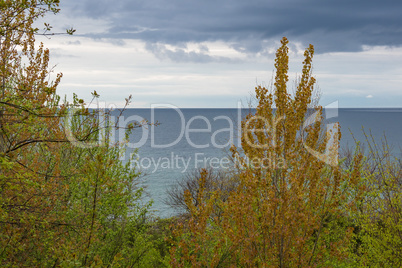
(188, 139)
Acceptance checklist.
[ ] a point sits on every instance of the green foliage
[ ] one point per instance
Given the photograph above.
(65, 199)
(379, 217)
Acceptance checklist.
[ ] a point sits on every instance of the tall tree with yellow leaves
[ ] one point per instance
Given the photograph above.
(291, 193)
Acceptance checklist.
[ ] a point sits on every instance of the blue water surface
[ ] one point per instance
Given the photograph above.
(188, 139)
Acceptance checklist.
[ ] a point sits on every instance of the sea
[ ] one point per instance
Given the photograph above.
(175, 142)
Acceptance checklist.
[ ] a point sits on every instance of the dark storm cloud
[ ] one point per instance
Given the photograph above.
(341, 25)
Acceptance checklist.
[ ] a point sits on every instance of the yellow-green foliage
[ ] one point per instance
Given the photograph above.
(379, 240)
(60, 205)
(284, 211)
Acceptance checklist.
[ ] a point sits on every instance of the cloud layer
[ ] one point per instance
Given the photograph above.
(212, 53)
(248, 26)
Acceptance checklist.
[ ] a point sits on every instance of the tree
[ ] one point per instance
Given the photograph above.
(60, 204)
(28, 118)
(379, 215)
(290, 193)
(215, 180)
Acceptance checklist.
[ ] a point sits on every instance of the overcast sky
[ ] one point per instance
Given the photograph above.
(208, 53)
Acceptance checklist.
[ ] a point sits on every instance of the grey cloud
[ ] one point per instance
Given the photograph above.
(341, 25)
(76, 43)
(181, 55)
(60, 53)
